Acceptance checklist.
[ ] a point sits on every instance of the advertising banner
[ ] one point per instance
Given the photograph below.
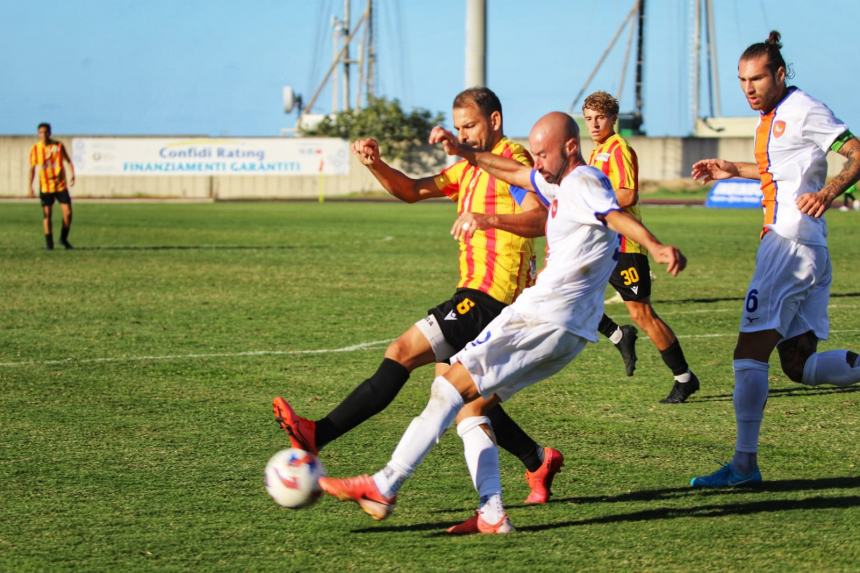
(735, 194)
(205, 156)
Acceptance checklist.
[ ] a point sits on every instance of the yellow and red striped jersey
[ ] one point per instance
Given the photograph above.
(619, 163)
(492, 261)
(49, 160)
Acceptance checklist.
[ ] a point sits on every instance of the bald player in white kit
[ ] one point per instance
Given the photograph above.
(533, 338)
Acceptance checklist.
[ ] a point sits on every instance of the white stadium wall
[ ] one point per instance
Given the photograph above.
(660, 159)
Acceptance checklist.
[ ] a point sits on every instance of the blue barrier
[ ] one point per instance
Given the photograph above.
(735, 194)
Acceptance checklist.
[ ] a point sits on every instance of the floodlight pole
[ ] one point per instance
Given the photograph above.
(476, 43)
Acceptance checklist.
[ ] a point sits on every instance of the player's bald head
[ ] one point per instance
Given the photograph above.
(554, 141)
(555, 128)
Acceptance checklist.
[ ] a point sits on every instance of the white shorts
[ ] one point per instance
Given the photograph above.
(429, 327)
(790, 289)
(515, 351)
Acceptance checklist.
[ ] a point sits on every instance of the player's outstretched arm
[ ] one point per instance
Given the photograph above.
(508, 170)
(529, 223)
(708, 170)
(815, 204)
(393, 180)
(627, 225)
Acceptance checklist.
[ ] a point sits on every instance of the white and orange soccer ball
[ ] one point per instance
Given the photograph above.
(292, 478)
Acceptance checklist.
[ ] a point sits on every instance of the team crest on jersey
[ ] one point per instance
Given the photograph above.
(778, 128)
(554, 208)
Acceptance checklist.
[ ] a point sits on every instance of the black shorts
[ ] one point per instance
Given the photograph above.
(462, 318)
(632, 276)
(48, 199)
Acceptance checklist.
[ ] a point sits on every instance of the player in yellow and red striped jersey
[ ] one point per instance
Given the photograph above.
(632, 275)
(48, 157)
(496, 263)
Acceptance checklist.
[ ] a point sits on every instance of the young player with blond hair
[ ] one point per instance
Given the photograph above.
(631, 278)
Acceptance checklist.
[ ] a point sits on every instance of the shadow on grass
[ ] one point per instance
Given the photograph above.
(784, 393)
(675, 493)
(708, 511)
(195, 248)
(740, 299)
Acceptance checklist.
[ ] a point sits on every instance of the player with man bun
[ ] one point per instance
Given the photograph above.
(786, 303)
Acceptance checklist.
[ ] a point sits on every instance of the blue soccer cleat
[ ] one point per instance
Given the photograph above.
(726, 476)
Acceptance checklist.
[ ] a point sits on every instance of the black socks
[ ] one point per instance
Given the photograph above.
(674, 359)
(514, 439)
(368, 399)
(607, 326)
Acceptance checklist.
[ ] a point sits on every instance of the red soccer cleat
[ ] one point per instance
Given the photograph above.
(362, 490)
(476, 524)
(302, 431)
(540, 481)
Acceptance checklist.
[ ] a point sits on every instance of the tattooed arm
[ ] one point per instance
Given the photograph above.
(815, 204)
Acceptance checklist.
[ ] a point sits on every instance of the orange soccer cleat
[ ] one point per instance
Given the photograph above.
(302, 431)
(540, 480)
(476, 524)
(362, 490)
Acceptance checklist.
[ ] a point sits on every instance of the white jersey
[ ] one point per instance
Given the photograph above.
(791, 144)
(581, 252)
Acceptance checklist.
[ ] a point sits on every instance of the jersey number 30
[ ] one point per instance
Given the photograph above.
(630, 276)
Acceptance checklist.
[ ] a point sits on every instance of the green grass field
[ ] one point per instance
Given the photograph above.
(136, 377)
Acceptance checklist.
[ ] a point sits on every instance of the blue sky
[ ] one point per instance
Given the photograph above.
(216, 67)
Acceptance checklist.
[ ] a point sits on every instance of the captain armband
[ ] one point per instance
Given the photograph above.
(841, 140)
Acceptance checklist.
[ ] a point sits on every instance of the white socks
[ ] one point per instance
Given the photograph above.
(750, 396)
(482, 459)
(684, 378)
(831, 367)
(419, 438)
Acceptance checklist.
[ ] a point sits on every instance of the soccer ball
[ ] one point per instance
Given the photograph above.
(292, 476)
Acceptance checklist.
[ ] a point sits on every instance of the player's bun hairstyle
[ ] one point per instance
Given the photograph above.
(483, 98)
(44, 124)
(601, 102)
(770, 48)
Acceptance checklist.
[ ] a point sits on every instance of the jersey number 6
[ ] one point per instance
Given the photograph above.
(752, 301)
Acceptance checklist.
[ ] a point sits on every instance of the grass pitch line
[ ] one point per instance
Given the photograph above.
(351, 348)
(722, 334)
(156, 358)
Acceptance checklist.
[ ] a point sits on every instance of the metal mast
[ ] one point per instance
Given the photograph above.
(371, 52)
(638, 113)
(347, 23)
(714, 83)
(695, 59)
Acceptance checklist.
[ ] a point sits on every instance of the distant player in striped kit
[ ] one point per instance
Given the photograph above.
(786, 302)
(49, 156)
(496, 264)
(632, 276)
